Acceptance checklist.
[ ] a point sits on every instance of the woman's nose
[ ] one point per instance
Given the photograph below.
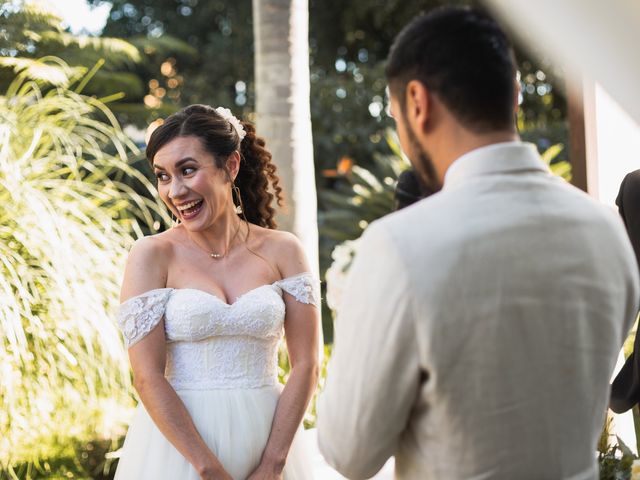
(177, 189)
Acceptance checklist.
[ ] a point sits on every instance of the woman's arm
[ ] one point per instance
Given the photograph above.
(146, 270)
(302, 336)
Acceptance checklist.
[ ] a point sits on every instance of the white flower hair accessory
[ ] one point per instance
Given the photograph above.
(233, 120)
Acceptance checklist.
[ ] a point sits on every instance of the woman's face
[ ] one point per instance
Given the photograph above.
(191, 185)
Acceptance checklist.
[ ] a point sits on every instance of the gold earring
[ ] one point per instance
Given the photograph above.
(239, 206)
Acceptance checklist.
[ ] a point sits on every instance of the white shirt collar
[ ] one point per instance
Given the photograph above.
(495, 158)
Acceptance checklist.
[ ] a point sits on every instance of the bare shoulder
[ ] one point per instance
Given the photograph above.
(157, 246)
(147, 265)
(284, 250)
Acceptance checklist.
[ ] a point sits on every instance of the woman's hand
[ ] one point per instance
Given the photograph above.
(264, 472)
(214, 473)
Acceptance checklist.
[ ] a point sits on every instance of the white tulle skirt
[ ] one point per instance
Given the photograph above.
(235, 424)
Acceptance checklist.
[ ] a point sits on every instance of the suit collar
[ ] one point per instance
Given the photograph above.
(507, 157)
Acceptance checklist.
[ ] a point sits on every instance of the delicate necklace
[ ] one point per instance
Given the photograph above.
(218, 256)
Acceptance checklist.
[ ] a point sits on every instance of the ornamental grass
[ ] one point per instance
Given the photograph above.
(68, 215)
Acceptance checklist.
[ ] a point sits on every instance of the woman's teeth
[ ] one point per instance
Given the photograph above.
(190, 209)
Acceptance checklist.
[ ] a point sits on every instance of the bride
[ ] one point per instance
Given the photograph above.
(204, 306)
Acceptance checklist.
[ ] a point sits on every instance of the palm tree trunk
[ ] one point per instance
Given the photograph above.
(283, 110)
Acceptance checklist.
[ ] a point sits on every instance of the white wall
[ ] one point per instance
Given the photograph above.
(613, 143)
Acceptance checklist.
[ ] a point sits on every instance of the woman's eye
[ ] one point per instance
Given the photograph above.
(188, 170)
(162, 176)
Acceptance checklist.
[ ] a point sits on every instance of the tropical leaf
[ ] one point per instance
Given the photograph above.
(28, 17)
(32, 33)
(28, 31)
(49, 70)
(560, 168)
(552, 152)
(116, 52)
(164, 46)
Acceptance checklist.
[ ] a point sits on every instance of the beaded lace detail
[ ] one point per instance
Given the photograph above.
(304, 288)
(212, 344)
(139, 315)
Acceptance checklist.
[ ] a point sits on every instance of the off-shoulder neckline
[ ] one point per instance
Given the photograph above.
(274, 284)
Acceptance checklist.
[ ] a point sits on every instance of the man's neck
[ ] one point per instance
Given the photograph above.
(461, 142)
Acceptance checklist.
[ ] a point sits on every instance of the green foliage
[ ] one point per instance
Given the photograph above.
(551, 157)
(164, 47)
(21, 22)
(220, 32)
(46, 70)
(67, 219)
(30, 32)
(85, 50)
(91, 459)
(349, 43)
(284, 368)
(614, 458)
(615, 463)
(358, 197)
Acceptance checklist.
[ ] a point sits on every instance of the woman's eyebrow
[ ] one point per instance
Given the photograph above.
(179, 163)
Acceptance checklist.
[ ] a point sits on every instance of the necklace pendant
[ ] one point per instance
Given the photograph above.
(215, 255)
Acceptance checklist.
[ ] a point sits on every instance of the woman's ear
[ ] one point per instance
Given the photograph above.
(233, 164)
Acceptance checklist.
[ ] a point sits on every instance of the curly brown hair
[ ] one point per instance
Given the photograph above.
(254, 177)
(257, 179)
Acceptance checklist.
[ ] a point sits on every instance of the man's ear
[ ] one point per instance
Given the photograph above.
(233, 164)
(418, 105)
(517, 88)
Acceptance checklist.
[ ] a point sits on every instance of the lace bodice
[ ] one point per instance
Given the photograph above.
(212, 344)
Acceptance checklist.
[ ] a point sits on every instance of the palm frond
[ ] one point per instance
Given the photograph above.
(19, 23)
(32, 16)
(85, 50)
(48, 69)
(164, 46)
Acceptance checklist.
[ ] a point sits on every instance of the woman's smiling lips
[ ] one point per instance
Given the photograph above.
(189, 210)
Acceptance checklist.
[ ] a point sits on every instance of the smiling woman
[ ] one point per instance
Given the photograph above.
(208, 139)
(205, 305)
(187, 175)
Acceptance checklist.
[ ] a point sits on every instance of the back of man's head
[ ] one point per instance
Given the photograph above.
(462, 56)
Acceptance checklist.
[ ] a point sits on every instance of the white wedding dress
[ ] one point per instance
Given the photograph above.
(222, 362)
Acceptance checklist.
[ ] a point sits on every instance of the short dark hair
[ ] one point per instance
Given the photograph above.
(464, 57)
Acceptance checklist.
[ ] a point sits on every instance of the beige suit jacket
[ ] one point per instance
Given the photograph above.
(479, 329)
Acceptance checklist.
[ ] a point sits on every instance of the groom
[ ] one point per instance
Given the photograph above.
(480, 326)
